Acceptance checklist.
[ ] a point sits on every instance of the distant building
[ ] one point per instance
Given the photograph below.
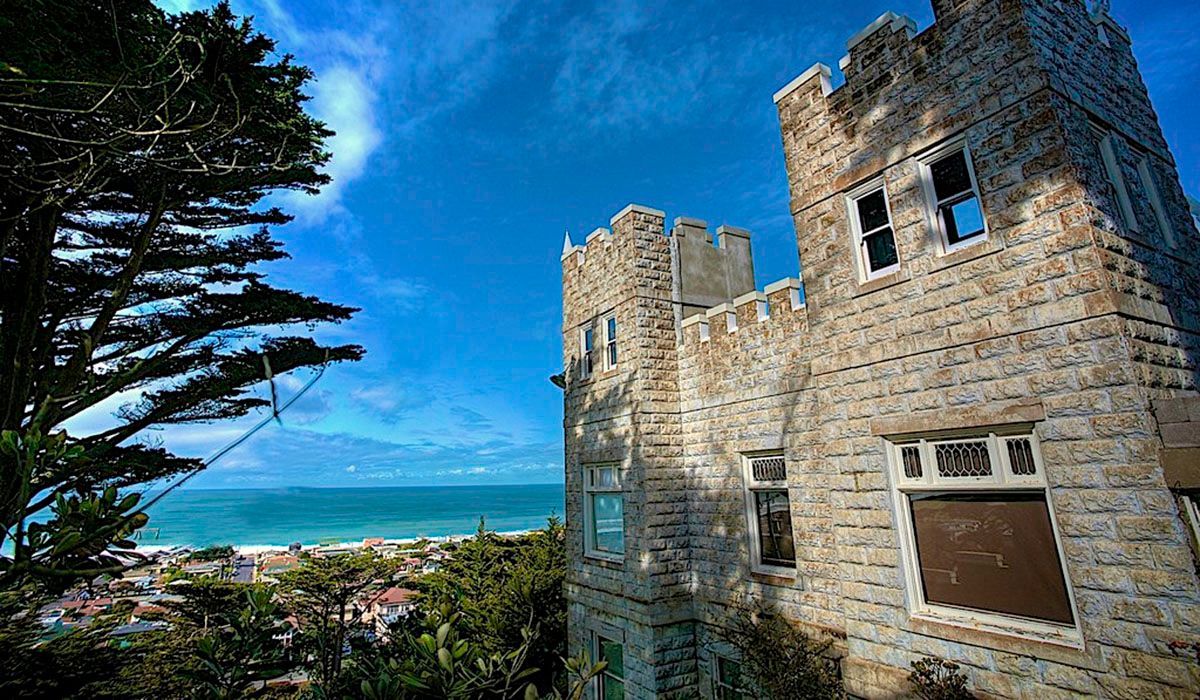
(389, 606)
(972, 432)
(271, 566)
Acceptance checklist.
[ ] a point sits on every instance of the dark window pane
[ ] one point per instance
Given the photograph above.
(612, 328)
(959, 459)
(587, 340)
(950, 176)
(775, 528)
(872, 211)
(881, 249)
(991, 552)
(729, 680)
(1020, 456)
(612, 354)
(613, 689)
(911, 454)
(768, 469)
(615, 656)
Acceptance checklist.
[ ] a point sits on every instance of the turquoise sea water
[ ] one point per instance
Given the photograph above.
(311, 516)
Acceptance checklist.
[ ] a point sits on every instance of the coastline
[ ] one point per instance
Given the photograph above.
(255, 549)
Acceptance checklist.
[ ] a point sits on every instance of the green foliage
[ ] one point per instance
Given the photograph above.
(63, 547)
(78, 663)
(320, 593)
(939, 679)
(237, 654)
(211, 553)
(442, 664)
(510, 592)
(138, 146)
(780, 661)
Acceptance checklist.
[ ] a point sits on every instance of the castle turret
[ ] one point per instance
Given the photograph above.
(970, 433)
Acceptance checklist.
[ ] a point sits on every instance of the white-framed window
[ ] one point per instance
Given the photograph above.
(610, 341)
(1150, 188)
(874, 236)
(587, 350)
(955, 207)
(1190, 504)
(610, 684)
(728, 682)
(978, 535)
(1106, 144)
(603, 511)
(769, 514)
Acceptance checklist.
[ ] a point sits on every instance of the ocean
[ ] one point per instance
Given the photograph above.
(259, 517)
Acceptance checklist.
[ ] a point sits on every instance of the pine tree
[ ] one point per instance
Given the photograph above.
(138, 149)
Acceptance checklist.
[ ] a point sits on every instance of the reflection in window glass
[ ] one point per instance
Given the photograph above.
(958, 211)
(610, 340)
(729, 683)
(612, 678)
(608, 521)
(775, 527)
(993, 552)
(875, 231)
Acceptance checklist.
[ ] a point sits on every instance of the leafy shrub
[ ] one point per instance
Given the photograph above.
(938, 679)
(780, 662)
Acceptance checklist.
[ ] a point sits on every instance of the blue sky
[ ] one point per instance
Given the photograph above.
(470, 135)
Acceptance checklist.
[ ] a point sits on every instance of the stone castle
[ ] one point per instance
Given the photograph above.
(970, 432)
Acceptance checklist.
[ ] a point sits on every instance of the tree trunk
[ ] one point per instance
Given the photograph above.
(22, 313)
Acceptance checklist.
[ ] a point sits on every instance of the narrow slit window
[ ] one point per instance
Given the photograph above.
(1155, 199)
(586, 352)
(610, 342)
(1106, 144)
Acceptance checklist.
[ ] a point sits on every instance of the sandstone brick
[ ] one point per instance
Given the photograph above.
(1060, 307)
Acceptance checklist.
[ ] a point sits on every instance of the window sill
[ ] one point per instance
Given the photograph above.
(986, 245)
(611, 561)
(874, 285)
(774, 576)
(1064, 647)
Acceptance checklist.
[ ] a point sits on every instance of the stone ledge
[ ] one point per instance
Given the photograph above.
(880, 283)
(1009, 413)
(1048, 651)
(1181, 467)
(1180, 410)
(817, 69)
(637, 208)
(1180, 434)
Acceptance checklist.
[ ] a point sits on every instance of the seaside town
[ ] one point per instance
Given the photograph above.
(141, 599)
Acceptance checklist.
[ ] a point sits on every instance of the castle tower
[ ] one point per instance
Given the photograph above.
(625, 291)
(976, 433)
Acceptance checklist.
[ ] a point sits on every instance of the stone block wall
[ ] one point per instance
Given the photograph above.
(1062, 319)
(629, 416)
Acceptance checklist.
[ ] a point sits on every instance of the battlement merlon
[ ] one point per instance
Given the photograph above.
(776, 300)
(882, 44)
(603, 237)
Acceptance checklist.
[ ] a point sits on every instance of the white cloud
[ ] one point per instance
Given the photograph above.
(343, 99)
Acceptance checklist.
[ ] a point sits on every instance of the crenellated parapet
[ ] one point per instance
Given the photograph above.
(750, 316)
